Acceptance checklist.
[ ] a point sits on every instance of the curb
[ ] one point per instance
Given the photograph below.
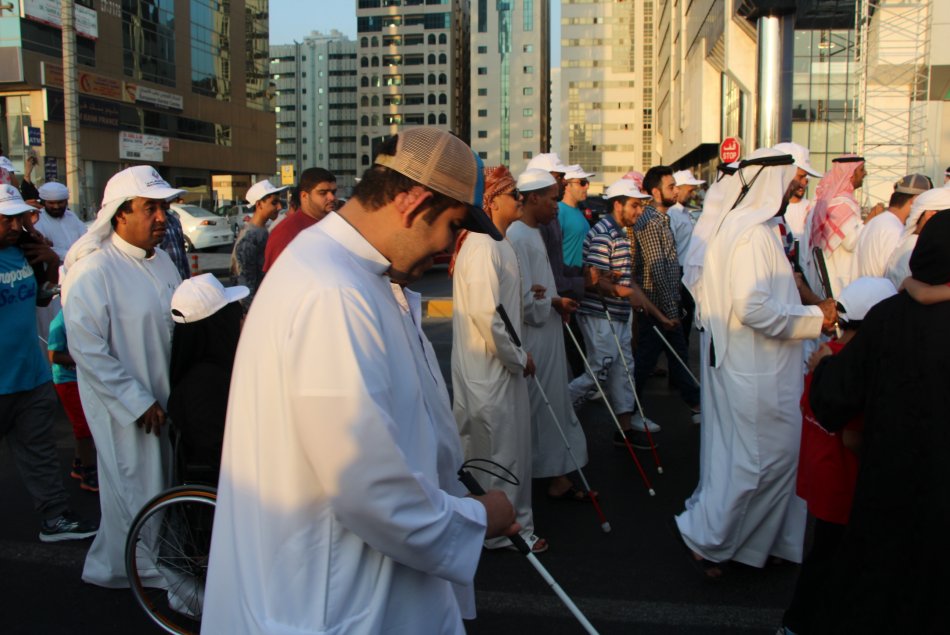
(437, 308)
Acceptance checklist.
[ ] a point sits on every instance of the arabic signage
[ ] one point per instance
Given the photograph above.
(138, 94)
(88, 83)
(729, 150)
(142, 147)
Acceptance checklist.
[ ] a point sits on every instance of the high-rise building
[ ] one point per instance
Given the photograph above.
(510, 77)
(413, 69)
(178, 84)
(316, 103)
(607, 58)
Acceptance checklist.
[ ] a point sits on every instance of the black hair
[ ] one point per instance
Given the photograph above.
(309, 179)
(654, 177)
(124, 208)
(899, 198)
(610, 202)
(380, 185)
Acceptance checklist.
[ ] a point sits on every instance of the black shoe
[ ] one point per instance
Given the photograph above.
(67, 527)
(637, 439)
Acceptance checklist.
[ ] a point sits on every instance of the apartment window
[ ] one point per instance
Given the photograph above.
(482, 134)
(210, 55)
(148, 42)
(482, 70)
(482, 50)
(483, 92)
(527, 112)
(483, 156)
(392, 80)
(527, 155)
(528, 48)
(527, 90)
(528, 70)
(483, 112)
(527, 134)
(415, 119)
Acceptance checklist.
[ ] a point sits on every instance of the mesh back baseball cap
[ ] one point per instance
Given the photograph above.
(913, 184)
(442, 162)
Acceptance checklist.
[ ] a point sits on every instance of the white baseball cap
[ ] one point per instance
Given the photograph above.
(801, 154)
(261, 189)
(139, 180)
(11, 202)
(624, 187)
(861, 295)
(685, 177)
(576, 172)
(202, 296)
(548, 161)
(7, 164)
(535, 179)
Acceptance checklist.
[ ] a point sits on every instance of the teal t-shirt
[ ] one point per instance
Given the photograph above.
(574, 228)
(23, 366)
(57, 342)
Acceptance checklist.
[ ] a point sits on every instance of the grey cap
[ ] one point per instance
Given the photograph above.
(913, 184)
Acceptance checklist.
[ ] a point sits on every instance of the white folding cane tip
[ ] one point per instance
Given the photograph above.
(652, 492)
(605, 527)
(659, 469)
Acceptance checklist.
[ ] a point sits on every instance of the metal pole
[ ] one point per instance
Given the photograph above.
(71, 108)
(776, 39)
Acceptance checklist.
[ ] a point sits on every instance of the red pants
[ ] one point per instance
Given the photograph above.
(69, 397)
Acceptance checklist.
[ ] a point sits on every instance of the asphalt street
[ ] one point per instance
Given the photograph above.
(635, 579)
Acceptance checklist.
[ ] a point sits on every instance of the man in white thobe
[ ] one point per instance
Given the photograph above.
(491, 404)
(338, 508)
(62, 228)
(544, 337)
(745, 508)
(882, 234)
(921, 211)
(116, 303)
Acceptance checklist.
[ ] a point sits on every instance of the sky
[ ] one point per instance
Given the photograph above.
(295, 19)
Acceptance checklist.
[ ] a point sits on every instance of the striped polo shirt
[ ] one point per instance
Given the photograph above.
(607, 248)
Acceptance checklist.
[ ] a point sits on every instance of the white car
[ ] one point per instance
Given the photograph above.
(202, 228)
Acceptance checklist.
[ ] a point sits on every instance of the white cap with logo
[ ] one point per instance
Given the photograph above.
(548, 161)
(11, 202)
(535, 179)
(576, 172)
(800, 154)
(138, 181)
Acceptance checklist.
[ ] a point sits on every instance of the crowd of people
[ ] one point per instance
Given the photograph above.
(311, 396)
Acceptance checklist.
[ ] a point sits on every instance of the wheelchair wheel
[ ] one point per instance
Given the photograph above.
(166, 556)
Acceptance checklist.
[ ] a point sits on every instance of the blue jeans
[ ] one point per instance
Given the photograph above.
(649, 347)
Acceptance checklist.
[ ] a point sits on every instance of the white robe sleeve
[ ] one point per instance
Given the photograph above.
(88, 322)
(482, 290)
(754, 301)
(536, 312)
(347, 430)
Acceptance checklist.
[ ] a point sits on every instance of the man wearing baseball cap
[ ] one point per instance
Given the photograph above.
(610, 281)
(27, 400)
(340, 457)
(681, 224)
(881, 235)
(247, 259)
(116, 294)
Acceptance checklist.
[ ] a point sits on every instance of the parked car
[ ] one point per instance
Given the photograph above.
(235, 215)
(203, 229)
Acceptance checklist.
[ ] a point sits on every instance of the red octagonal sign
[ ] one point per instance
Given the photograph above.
(729, 150)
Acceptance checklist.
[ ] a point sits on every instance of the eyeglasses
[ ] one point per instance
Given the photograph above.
(515, 194)
(581, 182)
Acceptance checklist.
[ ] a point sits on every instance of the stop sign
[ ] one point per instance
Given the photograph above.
(729, 150)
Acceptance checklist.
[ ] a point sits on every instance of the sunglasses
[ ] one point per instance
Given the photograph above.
(581, 182)
(515, 194)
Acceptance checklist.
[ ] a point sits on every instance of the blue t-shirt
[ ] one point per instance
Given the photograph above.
(574, 228)
(57, 342)
(23, 366)
(607, 248)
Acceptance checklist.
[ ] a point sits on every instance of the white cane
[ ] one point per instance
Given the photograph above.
(678, 358)
(613, 416)
(633, 386)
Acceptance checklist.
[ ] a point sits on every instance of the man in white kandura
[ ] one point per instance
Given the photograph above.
(339, 509)
(116, 295)
(490, 389)
(544, 316)
(746, 509)
(882, 234)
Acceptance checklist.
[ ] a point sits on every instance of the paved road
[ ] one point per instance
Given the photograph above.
(632, 580)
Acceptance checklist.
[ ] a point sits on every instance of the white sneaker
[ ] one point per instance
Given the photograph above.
(636, 422)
